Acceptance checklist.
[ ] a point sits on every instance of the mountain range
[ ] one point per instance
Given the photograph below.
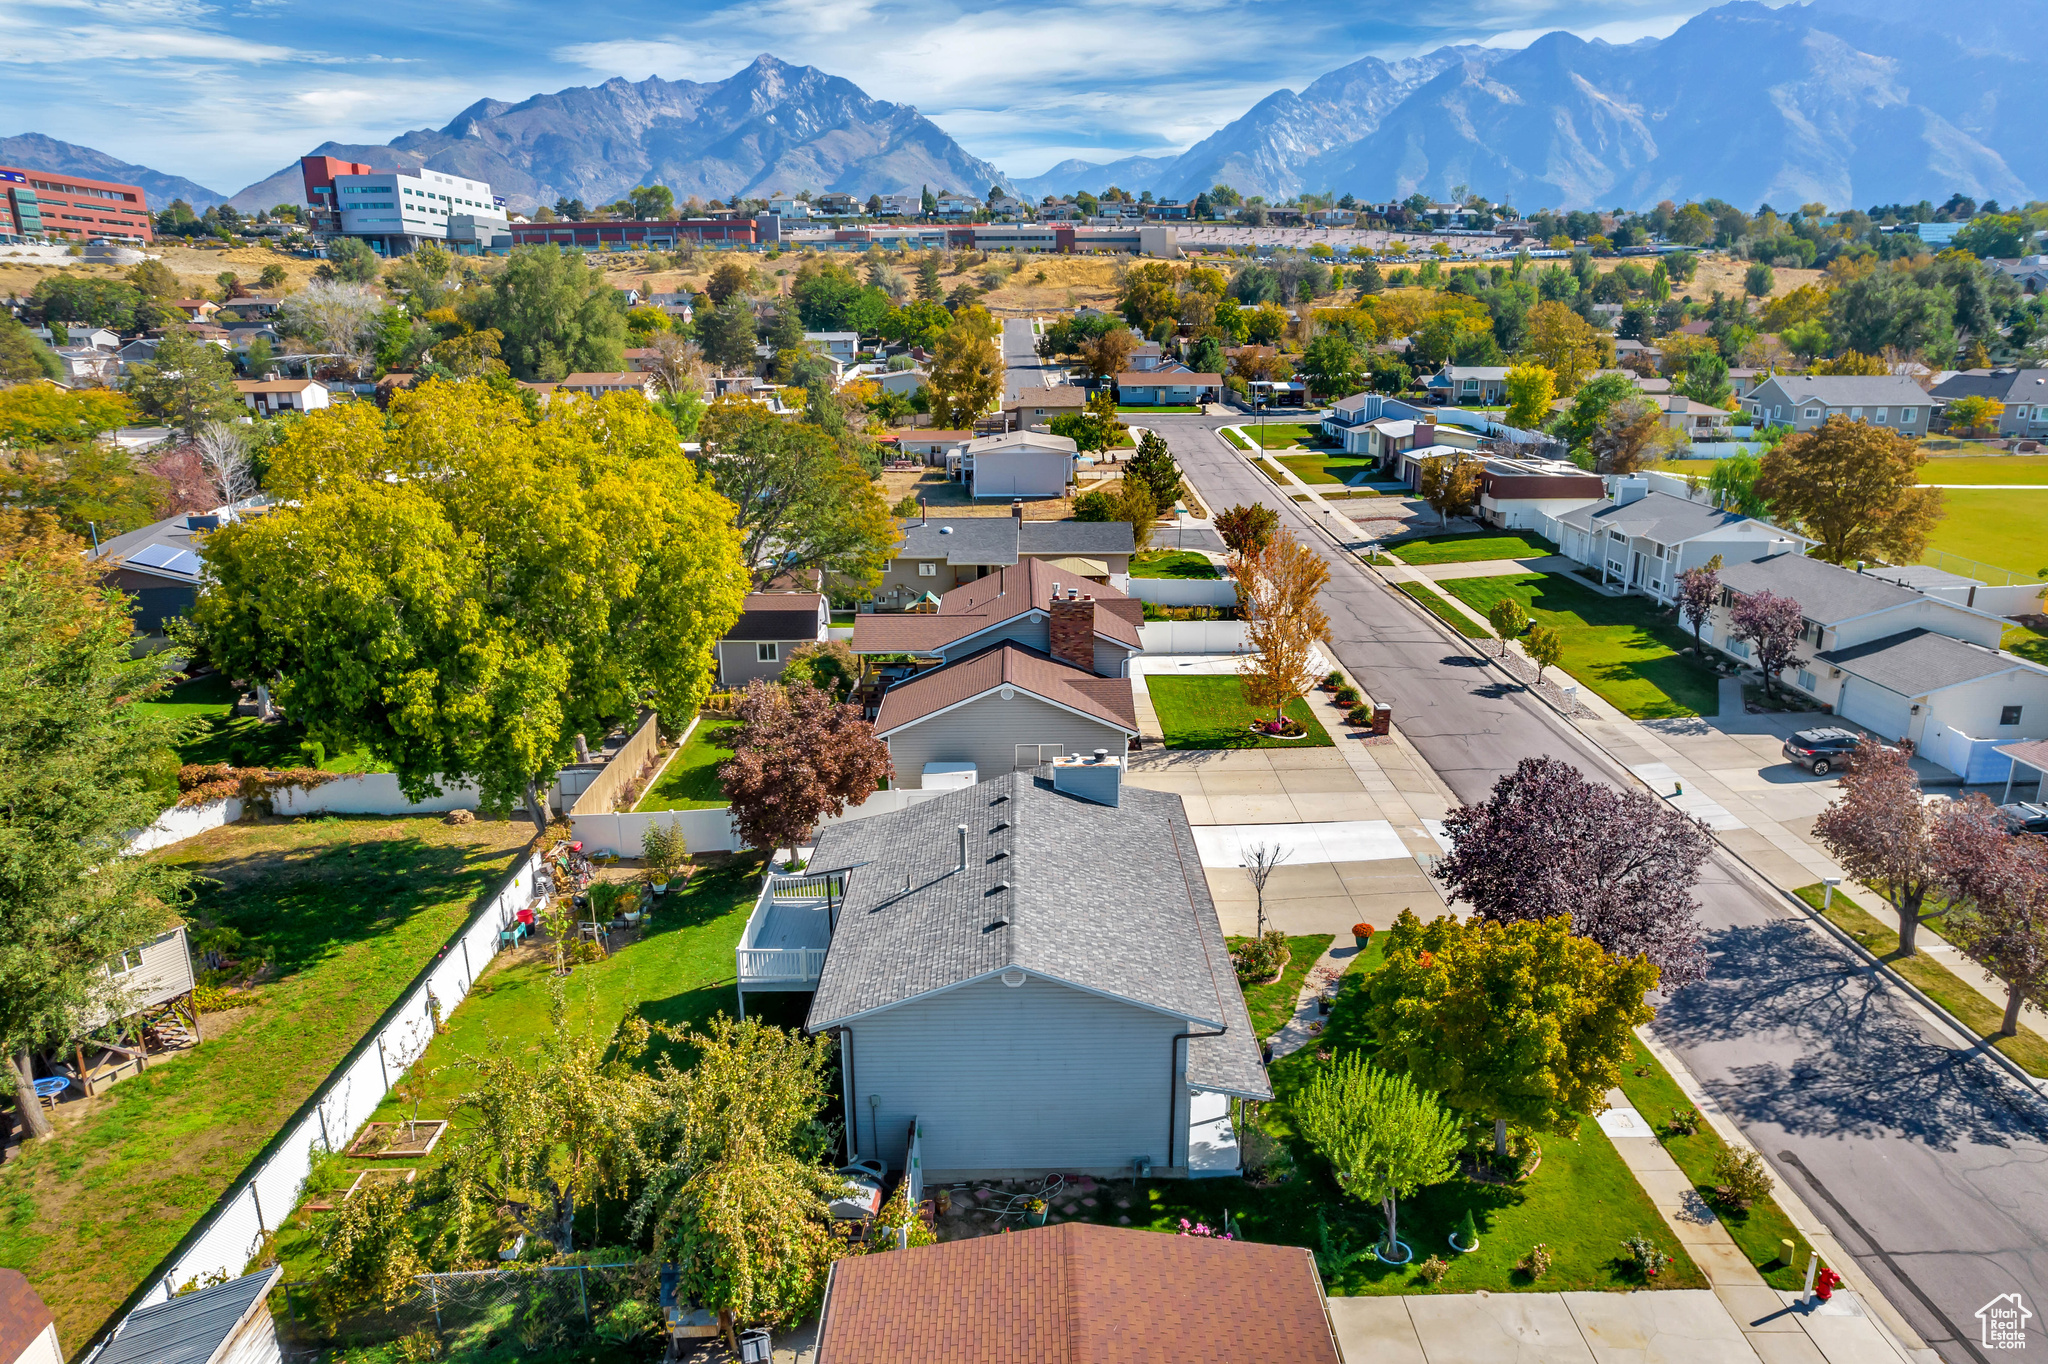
(770, 126)
(47, 153)
(1841, 101)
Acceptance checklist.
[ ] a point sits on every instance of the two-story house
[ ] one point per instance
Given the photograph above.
(1486, 385)
(840, 346)
(1644, 540)
(934, 556)
(2022, 396)
(1804, 401)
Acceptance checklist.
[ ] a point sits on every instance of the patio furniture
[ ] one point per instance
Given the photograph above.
(49, 1088)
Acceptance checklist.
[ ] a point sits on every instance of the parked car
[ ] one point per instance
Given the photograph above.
(2025, 817)
(1820, 751)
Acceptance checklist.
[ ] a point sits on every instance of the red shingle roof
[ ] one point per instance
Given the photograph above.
(1077, 1294)
(1105, 698)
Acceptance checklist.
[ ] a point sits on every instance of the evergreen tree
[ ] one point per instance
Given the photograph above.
(1154, 466)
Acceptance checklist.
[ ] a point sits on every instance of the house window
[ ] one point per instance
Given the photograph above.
(1738, 647)
(125, 961)
(767, 653)
(927, 570)
(1807, 681)
(1812, 413)
(1907, 415)
(2010, 715)
(1855, 414)
(1878, 416)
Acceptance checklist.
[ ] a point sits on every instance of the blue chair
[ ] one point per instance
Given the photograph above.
(48, 1089)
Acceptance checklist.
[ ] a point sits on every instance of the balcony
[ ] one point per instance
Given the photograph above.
(789, 932)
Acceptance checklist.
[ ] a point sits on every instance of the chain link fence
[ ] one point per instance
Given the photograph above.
(535, 1309)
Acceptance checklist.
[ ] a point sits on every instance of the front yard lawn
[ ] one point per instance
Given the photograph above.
(1334, 468)
(1172, 563)
(1654, 1094)
(2005, 528)
(1467, 547)
(1273, 1005)
(1619, 647)
(213, 733)
(1931, 978)
(1211, 712)
(1230, 434)
(348, 911)
(1281, 435)
(1445, 612)
(690, 781)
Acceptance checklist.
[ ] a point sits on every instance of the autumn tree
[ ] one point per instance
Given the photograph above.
(185, 384)
(1450, 485)
(1620, 863)
(1545, 646)
(1246, 528)
(1630, 436)
(1154, 466)
(1132, 501)
(799, 505)
(967, 370)
(798, 757)
(43, 414)
(1518, 1022)
(1771, 626)
(1384, 1136)
(1853, 487)
(1564, 343)
(1881, 832)
(74, 750)
(1278, 586)
(1531, 390)
(1997, 888)
(1699, 588)
(1107, 354)
(462, 588)
(1973, 414)
(1095, 427)
(1508, 619)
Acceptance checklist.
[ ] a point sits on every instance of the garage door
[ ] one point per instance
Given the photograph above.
(1878, 709)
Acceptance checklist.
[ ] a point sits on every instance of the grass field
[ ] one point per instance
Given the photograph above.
(1996, 527)
(1235, 439)
(211, 733)
(690, 781)
(1272, 1005)
(1620, 647)
(1433, 602)
(1470, 548)
(1211, 712)
(348, 912)
(1281, 435)
(1171, 563)
(1333, 468)
(2027, 643)
(1933, 979)
(1986, 469)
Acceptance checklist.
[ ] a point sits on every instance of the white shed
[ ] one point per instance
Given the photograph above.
(1021, 464)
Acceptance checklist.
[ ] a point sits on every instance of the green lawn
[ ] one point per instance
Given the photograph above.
(349, 911)
(1143, 409)
(1334, 468)
(1654, 1094)
(1239, 441)
(690, 781)
(211, 732)
(1936, 981)
(1335, 494)
(2026, 642)
(1265, 467)
(1272, 1005)
(1620, 647)
(1281, 435)
(1172, 563)
(1210, 712)
(1444, 611)
(1986, 469)
(1469, 547)
(2009, 529)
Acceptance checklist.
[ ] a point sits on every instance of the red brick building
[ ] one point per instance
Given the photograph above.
(37, 202)
(596, 236)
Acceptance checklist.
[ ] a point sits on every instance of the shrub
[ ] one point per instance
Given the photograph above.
(663, 848)
(1358, 715)
(1433, 1269)
(1685, 1122)
(1265, 1157)
(1347, 696)
(906, 507)
(1334, 680)
(1642, 1255)
(1260, 959)
(1467, 1235)
(897, 1212)
(1536, 1263)
(1741, 1178)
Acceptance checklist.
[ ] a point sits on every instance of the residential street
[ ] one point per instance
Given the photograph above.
(1922, 1160)
(1021, 366)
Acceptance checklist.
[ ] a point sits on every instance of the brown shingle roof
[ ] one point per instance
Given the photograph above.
(1077, 1294)
(1003, 595)
(1104, 698)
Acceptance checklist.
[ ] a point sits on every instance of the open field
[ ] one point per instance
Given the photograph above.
(347, 911)
(1620, 647)
(2006, 528)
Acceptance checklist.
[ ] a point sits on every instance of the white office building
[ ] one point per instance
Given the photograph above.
(399, 210)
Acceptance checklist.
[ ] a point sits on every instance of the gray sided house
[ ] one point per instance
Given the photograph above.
(160, 565)
(2022, 395)
(933, 556)
(1486, 385)
(772, 626)
(1024, 464)
(1036, 977)
(1804, 401)
(1645, 540)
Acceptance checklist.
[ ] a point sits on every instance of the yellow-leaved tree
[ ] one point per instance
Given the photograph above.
(1278, 584)
(967, 370)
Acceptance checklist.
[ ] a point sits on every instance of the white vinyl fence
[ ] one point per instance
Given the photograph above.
(266, 1194)
(181, 822)
(370, 793)
(1193, 636)
(1184, 591)
(711, 830)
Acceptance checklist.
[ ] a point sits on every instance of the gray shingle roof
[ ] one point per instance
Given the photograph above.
(188, 1329)
(1916, 662)
(1999, 385)
(1824, 592)
(1853, 390)
(1111, 899)
(1075, 537)
(1660, 516)
(964, 540)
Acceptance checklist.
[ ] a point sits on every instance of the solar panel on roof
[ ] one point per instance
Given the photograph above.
(187, 563)
(154, 556)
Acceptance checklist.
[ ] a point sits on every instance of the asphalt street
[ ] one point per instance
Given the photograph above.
(1925, 1161)
(1021, 366)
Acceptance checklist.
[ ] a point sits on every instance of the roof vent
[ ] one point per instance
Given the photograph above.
(1013, 977)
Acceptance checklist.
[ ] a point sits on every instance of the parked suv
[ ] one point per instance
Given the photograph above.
(2025, 817)
(1820, 751)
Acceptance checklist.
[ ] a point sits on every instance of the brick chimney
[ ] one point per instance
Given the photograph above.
(1017, 508)
(1425, 433)
(1073, 630)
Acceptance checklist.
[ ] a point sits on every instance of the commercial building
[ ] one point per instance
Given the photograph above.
(396, 211)
(48, 204)
(663, 235)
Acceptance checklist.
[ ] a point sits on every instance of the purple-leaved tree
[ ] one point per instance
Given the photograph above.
(1880, 830)
(1772, 625)
(1997, 887)
(1620, 863)
(1698, 589)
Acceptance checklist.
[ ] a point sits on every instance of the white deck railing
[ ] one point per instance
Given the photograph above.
(812, 896)
(761, 965)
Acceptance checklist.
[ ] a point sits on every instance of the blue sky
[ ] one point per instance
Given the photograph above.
(226, 93)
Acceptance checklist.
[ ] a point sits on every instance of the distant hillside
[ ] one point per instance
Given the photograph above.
(35, 151)
(771, 126)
